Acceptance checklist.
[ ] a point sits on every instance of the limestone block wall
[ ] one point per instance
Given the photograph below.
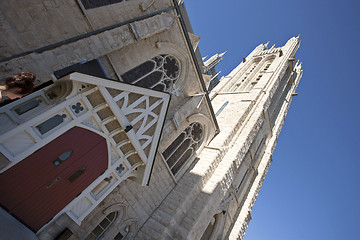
(86, 48)
(27, 25)
(122, 11)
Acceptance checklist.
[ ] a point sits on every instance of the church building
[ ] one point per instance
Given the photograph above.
(130, 133)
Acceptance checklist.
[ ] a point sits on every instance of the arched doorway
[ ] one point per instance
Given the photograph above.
(41, 185)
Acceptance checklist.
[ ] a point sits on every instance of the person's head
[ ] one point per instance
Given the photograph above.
(22, 82)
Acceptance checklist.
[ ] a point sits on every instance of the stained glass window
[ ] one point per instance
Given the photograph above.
(159, 73)
(183, 147)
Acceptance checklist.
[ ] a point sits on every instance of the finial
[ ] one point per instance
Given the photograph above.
(298, 36)
(266, 44)
(222, 54)
(298, 65)
(272, 46)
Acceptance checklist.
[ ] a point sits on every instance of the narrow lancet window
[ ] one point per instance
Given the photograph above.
(184, 147)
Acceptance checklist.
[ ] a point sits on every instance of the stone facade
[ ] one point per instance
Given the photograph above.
(215, 147)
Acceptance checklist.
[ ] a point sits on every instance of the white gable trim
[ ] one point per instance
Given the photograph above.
(81, 104)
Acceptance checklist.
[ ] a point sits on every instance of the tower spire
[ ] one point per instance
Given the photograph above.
(222, 54)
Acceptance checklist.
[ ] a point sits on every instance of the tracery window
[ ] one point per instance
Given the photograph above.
(159, 73)
(184, 147)
(102, 227)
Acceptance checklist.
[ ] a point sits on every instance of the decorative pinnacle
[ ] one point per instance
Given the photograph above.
(266, 44)
(298, 36)
(298, 65)
(222, 54)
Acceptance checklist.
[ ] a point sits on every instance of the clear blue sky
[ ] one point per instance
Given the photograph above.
(312, 189)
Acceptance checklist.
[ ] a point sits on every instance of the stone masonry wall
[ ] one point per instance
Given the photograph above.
(27, 25)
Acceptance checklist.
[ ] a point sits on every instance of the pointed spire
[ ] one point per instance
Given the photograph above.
(215, 76)
(266, 44)
(214, 60)
(222, 54)
(294, 38)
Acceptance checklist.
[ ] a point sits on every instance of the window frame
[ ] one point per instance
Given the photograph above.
(92, 235)
(159, 63)
(175, 147)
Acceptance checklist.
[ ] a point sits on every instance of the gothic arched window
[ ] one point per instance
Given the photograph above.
(184, 147)
(102, 227)
(123, 233)
(159, 73)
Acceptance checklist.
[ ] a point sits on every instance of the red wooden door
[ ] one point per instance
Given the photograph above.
(41, 185)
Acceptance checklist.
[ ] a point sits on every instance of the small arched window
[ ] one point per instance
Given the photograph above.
(123, 233)
(184, 147)
(102, 227)
(159, 73)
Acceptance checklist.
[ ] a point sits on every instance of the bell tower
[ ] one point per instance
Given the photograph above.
(251, 104)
